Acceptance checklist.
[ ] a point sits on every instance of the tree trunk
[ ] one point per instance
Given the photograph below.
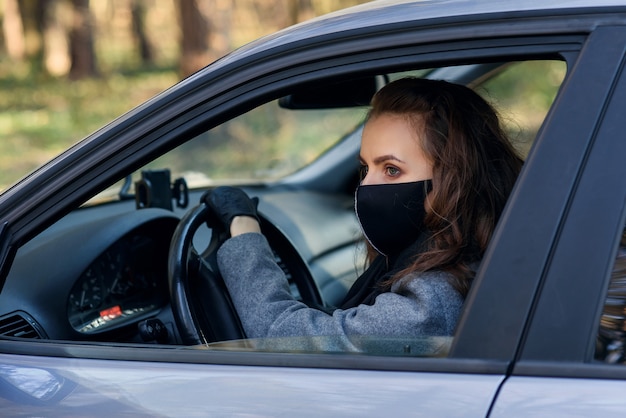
(299, 10)
(82, 54)
(56, 47)
(195, 29)
(34, 16)
(13, 30)
(138, 12)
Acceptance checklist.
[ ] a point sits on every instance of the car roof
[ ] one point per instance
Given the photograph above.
(405, 10)
(391, 13)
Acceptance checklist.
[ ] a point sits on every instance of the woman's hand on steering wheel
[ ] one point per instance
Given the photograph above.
(233, 208)
(200, 301)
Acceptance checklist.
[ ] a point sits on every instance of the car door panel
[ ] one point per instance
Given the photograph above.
(515, 261)
(170, 389)
(577, 277)
(556, 374)
(560, 397)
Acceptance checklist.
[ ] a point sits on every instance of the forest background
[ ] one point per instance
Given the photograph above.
(67, 67)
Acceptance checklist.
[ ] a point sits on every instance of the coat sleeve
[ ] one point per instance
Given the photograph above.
(427, 306)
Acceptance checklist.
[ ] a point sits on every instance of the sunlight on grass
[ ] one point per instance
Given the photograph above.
(41, 118)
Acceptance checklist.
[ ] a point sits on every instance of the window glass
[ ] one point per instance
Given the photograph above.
(429, 346)
(612, 331)
(523, 94)
(266, 143)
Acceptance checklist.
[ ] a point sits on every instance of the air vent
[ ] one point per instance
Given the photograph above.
(19, 325)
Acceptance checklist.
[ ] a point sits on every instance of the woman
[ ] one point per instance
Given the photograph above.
(436, 172)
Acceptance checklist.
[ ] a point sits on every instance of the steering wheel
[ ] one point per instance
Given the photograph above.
(202, 307)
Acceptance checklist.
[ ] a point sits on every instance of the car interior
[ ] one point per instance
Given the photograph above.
(612, 335)
(135, 264)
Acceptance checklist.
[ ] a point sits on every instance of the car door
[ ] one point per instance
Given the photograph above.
(557, 372)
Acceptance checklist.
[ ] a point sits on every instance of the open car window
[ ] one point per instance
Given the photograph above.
(522, 92)
(113, 282)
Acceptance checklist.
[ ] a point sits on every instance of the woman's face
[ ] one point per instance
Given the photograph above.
(391, 152)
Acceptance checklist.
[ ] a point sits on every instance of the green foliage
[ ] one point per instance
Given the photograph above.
(523, 94)
(40, 117)
(266, 143)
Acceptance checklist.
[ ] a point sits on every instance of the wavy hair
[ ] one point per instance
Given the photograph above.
(474, 169)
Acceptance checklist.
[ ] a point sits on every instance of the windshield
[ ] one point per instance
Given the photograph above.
(262, 145)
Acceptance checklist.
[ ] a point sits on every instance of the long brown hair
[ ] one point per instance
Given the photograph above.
(474, 169)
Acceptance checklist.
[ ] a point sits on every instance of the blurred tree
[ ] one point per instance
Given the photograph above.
(82, 55)
(55, 38)
(299, 10)
(221, 36)
(33, 13)
(138, 13)
(13, 30)
(195, 29)
(23, 28)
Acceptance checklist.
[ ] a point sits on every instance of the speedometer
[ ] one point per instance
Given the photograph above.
(124, 284)
(88, 295)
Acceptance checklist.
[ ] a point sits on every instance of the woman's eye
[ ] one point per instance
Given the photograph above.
(392, 171)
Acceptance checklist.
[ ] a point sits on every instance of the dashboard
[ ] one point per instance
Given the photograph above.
(123, 284)
(94, 274)
(101, 271)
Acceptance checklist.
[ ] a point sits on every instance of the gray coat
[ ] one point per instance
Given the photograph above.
(428, 306)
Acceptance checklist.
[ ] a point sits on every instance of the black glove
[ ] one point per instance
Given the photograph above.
(228, 202)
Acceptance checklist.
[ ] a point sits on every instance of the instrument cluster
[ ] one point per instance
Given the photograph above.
(124, 284)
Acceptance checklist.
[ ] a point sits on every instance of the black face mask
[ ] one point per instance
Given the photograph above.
(392, 215)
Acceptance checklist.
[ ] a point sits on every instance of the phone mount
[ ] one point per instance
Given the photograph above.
(155, 190)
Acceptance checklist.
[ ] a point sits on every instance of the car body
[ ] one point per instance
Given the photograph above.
(530, 340)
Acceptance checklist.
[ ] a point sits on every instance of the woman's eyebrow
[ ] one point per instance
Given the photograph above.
(382, 159)
(387, 157)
